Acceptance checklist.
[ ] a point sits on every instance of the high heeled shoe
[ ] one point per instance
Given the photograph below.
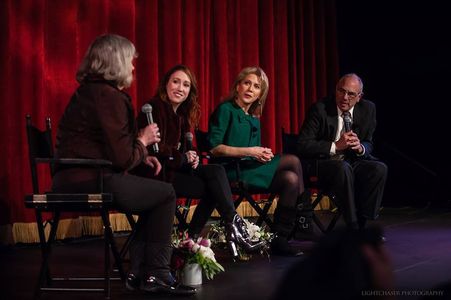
(155, 285)
(236, 233)
(132, 282)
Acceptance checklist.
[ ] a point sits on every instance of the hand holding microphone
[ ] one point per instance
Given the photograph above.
(348, 139)
(152, 129)
(191, 155)
(149, 135)
(347, 122)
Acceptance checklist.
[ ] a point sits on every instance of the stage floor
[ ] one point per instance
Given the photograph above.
(418, 240)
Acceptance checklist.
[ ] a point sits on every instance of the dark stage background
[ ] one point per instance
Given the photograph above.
(402, 51)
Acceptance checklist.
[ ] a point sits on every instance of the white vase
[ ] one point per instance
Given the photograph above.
(192, 275)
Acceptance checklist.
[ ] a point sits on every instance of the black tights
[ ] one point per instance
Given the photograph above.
(288, 180)
(210, 184)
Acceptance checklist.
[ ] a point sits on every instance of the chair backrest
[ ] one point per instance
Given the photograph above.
(40, 145)
(40, 148)
(309, 166)
(289, 141)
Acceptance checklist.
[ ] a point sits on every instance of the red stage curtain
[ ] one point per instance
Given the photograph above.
(42, 43)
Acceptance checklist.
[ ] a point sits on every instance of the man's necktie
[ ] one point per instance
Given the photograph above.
(347, 122)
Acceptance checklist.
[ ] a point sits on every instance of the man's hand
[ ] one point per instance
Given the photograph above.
(349, 140)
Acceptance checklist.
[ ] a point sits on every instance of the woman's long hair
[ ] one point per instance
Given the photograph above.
(109, 56)
(256, 108)
(190, 108)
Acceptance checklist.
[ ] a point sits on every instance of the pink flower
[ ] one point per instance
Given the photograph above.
(198, 251)
(205, 243)
(187, 244)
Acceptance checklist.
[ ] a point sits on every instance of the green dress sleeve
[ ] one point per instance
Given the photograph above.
(218, 125)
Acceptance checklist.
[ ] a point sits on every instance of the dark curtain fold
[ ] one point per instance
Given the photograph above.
(43, 41)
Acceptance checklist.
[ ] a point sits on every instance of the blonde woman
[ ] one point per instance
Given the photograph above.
(234, 131)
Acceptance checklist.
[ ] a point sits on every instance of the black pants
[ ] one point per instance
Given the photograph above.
(152, 200)
(358, 186)
(208, 183)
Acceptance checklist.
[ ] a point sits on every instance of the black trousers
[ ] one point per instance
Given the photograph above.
(358, 186)
(152, 200)
(208, 183)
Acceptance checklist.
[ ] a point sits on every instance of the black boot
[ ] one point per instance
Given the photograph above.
(132, 282)
(304, 217)
(284, 218)
(236, 233)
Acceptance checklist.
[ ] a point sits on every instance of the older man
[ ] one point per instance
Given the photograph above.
(339, 130)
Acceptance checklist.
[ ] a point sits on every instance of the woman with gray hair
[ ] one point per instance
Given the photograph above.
(98, 123)
(234, 131)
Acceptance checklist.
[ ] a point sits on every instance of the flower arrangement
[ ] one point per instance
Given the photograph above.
(257, 234)
(189, 251)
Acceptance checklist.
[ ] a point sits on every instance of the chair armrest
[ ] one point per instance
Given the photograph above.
(76, 161)
(235, 161)
(206, 155)
(69, 202)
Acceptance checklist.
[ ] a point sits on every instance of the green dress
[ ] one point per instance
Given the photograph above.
(229, 125)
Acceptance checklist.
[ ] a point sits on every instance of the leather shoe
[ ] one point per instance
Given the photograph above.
(132, 282)
(280, 246)
(155, 285)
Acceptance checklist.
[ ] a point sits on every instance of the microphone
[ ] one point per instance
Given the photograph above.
(147, 109)
(347, 122)
(189, 141)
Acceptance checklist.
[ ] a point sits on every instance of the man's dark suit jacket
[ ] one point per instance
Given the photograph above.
(319, 129)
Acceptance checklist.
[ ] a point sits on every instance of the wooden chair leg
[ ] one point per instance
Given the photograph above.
(112, 244)
(186, 208)
(42, 240)
(317, 221)
(106, 270)
(264, 216)
(337, 215)
(127, 243)
(259, 210)
(183, 225)
(239, 200)
(45, 278)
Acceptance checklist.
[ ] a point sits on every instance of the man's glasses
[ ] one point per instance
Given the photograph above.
(351, 95)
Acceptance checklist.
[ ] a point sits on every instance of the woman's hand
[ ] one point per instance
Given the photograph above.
(261, 154)
(154, 163)
(149, 135)
(192, 158)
